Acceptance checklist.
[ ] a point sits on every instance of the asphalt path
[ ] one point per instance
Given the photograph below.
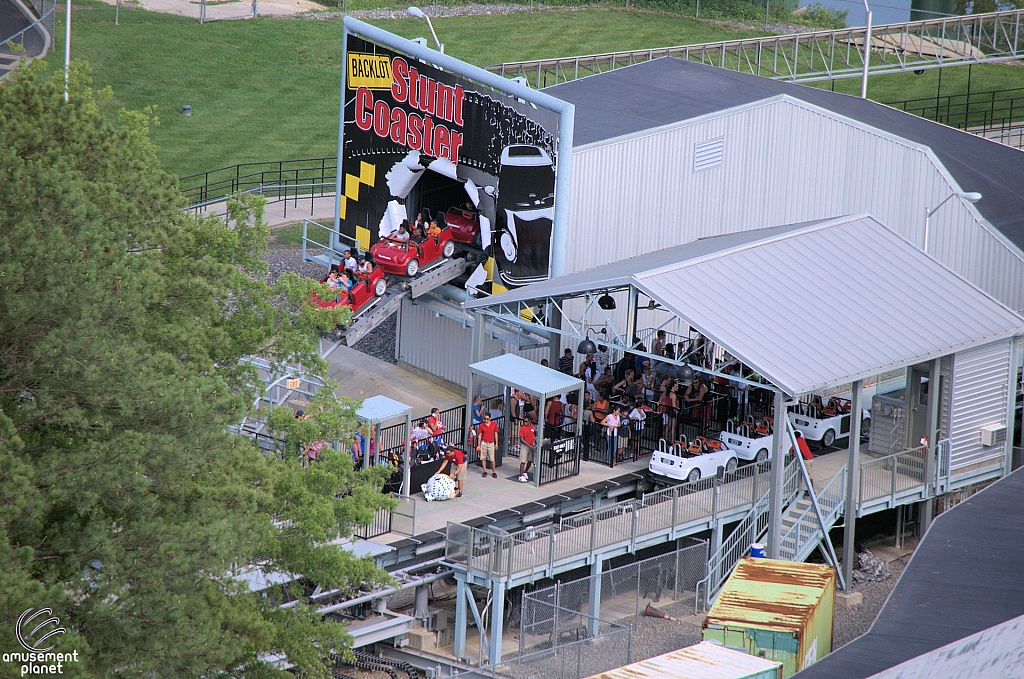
(12, 21)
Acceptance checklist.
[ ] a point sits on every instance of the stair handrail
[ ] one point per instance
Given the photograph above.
(832, 499)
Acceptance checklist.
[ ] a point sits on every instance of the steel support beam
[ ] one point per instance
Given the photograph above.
(1011, 405)
(852, 482)
(594, 607)
(932, 415)
(476, 354)
(497, 621)
(461, 620)
(779, 450)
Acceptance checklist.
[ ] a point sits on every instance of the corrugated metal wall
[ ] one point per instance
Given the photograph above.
(785, 162)
(442, 346)
(980, 397)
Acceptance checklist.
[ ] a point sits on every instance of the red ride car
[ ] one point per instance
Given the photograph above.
(360, 296)
(465, 226)
(406, 259)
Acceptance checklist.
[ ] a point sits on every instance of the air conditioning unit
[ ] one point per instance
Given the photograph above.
(993, 435)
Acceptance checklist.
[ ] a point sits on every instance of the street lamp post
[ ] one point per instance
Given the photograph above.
(867, 52)
(420, 14)
(969, 196)
(67, 47)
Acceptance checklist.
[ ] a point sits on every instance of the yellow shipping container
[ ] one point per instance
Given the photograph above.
(778, 610)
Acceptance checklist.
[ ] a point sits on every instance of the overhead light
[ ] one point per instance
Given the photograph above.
(606, 302)
(970, 196)
(685, 374)
(652, 305)
(587, 346)
(417, 12)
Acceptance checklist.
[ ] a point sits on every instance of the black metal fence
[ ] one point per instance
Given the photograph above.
(279, 180)
(380, 525)
(991, 113)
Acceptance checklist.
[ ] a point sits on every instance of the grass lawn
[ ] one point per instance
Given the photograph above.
(268, 89)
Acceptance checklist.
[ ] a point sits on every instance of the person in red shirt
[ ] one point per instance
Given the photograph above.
(553, 413)
(435, 425)
(457, 459)
(488, 438)
(527, 439)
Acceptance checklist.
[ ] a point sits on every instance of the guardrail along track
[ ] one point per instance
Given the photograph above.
(818, 55)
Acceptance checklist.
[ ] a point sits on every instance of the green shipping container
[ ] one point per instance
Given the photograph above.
(777, 610)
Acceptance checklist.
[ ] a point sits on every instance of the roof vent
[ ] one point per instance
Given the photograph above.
(708, 154)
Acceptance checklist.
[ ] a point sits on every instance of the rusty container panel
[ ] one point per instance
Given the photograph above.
(780, 610)
(706, 660)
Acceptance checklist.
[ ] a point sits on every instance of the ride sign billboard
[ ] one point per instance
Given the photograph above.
(422, 144)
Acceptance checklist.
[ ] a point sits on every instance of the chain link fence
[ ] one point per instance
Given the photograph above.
(626, 591)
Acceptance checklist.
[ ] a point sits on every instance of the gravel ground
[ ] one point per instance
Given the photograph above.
(850, 623)
(380, 343)
(282, 258)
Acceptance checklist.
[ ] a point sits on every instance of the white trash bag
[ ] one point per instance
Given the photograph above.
(439, 487)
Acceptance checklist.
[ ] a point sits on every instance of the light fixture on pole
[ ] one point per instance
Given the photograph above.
(867, 52)
(420, 14)
(67, 47)
(969, 196)
(587, 346)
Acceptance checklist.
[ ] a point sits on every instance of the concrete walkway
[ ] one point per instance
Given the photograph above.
(228, 10)
(360, 376)
(319, 209)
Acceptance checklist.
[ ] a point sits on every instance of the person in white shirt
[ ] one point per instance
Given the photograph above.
(603, 358)
(349, 262)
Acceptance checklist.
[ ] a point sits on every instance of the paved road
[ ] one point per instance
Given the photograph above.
(13, 20)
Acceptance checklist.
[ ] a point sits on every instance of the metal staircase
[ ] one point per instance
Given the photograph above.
(818, 55)
(802, 532)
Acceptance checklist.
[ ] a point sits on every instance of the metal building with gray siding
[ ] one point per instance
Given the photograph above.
(668, 151)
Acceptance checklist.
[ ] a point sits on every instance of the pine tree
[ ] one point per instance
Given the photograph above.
(125, 503)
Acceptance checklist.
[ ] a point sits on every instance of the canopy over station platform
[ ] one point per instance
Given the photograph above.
(557, 459)
(374, 412)
(800, 310)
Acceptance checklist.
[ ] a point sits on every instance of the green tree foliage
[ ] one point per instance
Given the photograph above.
(124, 501)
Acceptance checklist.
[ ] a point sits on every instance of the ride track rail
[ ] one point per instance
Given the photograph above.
(818, 55)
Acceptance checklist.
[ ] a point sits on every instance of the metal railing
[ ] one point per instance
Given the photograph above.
(380, 525)
(333, 248)
(806, 531)
(818, 55)
(749, 530)
(891, 475)
(279, 180)
(995, 114)
(537, 549)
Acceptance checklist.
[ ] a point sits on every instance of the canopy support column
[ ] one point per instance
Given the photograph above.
(406, 469)
(934, 400)
(777, 477)
(497, 621)
(852, 486)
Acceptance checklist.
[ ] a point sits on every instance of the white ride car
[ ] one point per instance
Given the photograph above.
(678, 464)
(823, 424)
(751, 442)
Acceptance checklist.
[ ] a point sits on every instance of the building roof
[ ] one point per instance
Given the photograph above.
(963, 578)
(669, 90)
(995, 652)
(382, 409)
(519, 373)
(807, 306)
(771, 594)
(706, 660)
